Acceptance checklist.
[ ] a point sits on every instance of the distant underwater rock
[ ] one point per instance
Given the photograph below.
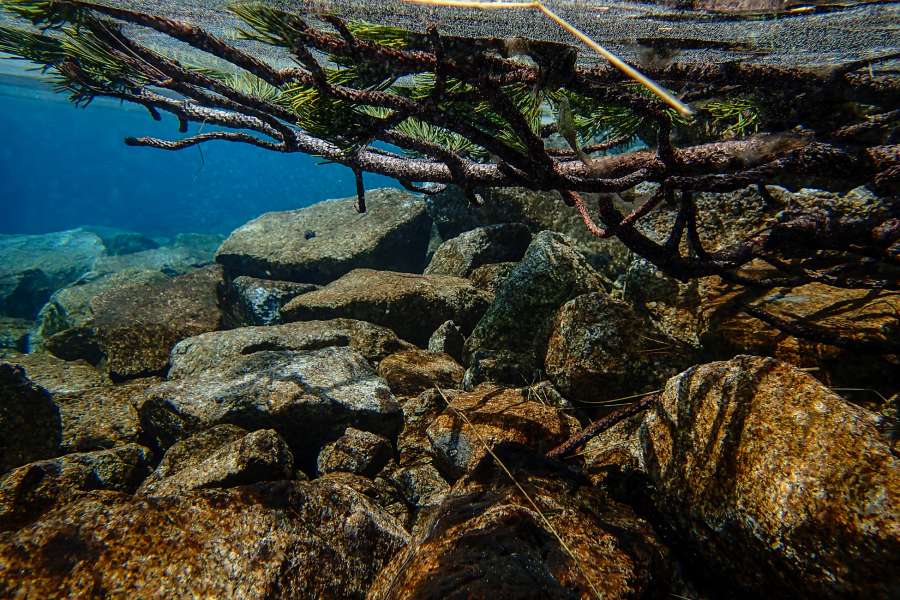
(32, 267)
(15, 335)
(278, 540)
(120, 241)
(411, 305)
(392, 234)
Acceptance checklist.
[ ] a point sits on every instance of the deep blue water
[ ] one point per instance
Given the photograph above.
(62, 167)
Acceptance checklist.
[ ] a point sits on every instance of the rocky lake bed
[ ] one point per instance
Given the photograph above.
(327, 404)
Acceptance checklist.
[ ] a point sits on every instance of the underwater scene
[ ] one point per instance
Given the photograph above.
(428, 299)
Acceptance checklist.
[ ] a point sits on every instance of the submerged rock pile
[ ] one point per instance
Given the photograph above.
(336, 411)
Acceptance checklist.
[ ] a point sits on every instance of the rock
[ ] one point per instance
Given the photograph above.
(58, 376)
(411, 372)
(29, 420)
(774, 481)
(448, 339)
(15, 335)
(32, 267)
(186, 453)
(520, 319)
(358, 452)
(469, 250)
(487, 540)
(120, 241)
(422, 485)
(600, 349)
(322, 242)
(168, 260)
(413, 445)
(453, 214)
(494, 415)
(31, 490)
(259, 301)
(490, 277)
(381, 491)
(308, 397)
(279, 540)
(101, 417)
(413, 306)
(137, 326)
(258, 456)
(208, 350)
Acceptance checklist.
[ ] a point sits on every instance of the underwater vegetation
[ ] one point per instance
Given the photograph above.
(430, 110)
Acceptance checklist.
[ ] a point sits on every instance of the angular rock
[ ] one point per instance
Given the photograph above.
(101, 417)
(775, 481)
(137, 326)
(461, 255)
(413, 445)
(258, 456)
(358, 452)
(422, 485)
(411, 372)
(276, 541)
(381, 491)
(308, 397)
(600, 349)
(30, 427)
(413, 306)
(59, 376)
(190, 451)
(32, 267)
(448, 339)
(490, 277)
(488, 539)
(259, 301)
(15, 335)
(520, 319)
(196, 354)
(33, 489)
(322, 242)
(494, 415)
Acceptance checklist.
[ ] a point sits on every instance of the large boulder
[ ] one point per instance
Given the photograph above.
(412, 371)
(32, 267)
(601, 349)
(196, 354)
(520, 320)
(30, 428)
(308, 397)
(411, 305)
(137, 326)
(561, 539)
(490, 416)
(778, 485)
(59, 376)
(33, 489)
(278, 540)
(466, 252)
(258, 456)
(100, 417)
(324, 241)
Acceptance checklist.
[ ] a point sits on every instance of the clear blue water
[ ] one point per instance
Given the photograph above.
(62, 167)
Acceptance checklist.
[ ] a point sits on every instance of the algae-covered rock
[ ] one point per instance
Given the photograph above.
(196, 354)
(190, 451)
(30, 428)
(15, 335)
(324, 241)
(413, 306)
(33, 489)
(279, 540)
(59, 376)
(257, 301)
(469, 250)
(360, 452)
(410, 372)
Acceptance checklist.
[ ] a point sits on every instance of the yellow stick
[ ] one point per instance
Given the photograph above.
(614, 60)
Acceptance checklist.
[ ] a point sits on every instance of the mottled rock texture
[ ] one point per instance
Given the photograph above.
(101, 417)
(31, 490)
(487, 540)
(359, 452)
(495, 415)
(196, 354)
(58, 376)
(193, 450)
(29, 420)
(324, 241)
(779, 485)
(600, 349)
(411, 305)
(466, 252)
(520, 319)
(137, 326)
(15, 335)
(448, 338)
(490, 277)
(278, 540)
(411, 372)
(254, 301)
(258, 456)
(32, 267)
(308, 397)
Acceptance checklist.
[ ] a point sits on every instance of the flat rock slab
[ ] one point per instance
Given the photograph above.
(208, 350)
(136, 326)
(279, 540)
(308, 397)
(413, 306)
(324, 241)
